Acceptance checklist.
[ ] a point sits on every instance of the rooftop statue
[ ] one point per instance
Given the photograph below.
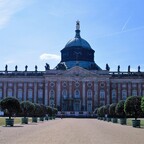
(118, 68)
(16, 68)
(129, 68)
(6, 68)
(26, 67)
(47, 67)
(138, 68)
(107, 67)
(36, 68)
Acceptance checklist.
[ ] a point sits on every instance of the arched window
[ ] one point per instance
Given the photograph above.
(10, 93)
(77, 93)
(64, 93)
(124, 94)
(89, 94)
(20, 94)
(1, 95)
(40, 96)
(134, 92)
(102, 97)
(30, 95)
(114, 96)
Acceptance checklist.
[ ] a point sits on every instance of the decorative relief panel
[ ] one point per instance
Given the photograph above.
(52, 84)
(64, 84)
(77, 84)
(102, 84)
(89, 84)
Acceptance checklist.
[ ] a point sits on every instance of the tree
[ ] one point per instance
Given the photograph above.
(120, 109)
(27, 108)
(132, 106)
(49, 110)
(11, 105)
(142, 103)
(106, 110)
(112, 110)
(37, 110)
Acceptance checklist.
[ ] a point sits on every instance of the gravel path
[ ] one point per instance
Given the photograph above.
(71, 131)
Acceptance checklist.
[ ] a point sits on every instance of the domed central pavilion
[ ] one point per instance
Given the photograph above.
(78, 52)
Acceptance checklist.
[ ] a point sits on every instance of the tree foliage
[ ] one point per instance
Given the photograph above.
(27, 108)
(132, 106)
(112, 110)
(120, 109)
(10, 105)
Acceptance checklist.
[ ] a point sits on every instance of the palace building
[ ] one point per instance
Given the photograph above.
(77, 83)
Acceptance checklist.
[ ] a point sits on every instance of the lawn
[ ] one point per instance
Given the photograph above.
(17, 120)
(129, 121)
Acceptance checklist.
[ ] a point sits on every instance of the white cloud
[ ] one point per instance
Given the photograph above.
(8, 8)
(47, 56)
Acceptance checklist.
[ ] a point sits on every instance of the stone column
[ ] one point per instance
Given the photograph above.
(35, 92)
(25, 91)
(70, 96)
(83, 95)
(58, 93)
(108, 92)
(119, 91)
(5, 89)
(129, 89)
(139, 89)
(46, 94)
(95, 93)
(15, 90)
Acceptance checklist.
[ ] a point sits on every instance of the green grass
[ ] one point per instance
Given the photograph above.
(17, 120)
(129, 121)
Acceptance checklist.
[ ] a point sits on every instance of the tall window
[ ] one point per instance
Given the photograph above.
(30, 95)
(1, 94)
(102, 97)
(77, 94)
(10, 93)
(114, 96)
(89, 94)
(134, 92)
(20, 94)
(89, 106)
(124, 94)
(40, 96)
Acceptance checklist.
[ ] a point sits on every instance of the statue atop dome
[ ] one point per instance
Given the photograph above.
(77, 25)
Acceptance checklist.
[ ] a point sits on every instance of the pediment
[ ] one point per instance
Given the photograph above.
(78, 71)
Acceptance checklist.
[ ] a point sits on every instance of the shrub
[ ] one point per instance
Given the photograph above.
(106, 110)
(11, 105)
(101, 111)
(142, 103)
(132, 106)
(120, 109)
(27, 108)
(49, 110)
(43, 110)
(55, 111)
(37, 110)
(112, 110)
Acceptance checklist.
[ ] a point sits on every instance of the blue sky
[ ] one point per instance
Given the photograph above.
(32, 32)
